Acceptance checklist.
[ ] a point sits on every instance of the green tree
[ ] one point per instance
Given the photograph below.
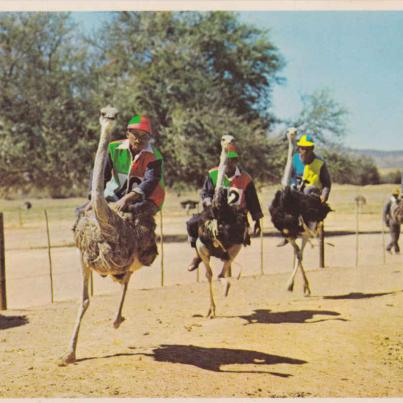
(44, 102)
(322, 117)
(199, 76)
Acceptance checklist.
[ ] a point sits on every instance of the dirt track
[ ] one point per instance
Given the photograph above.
(346, 340)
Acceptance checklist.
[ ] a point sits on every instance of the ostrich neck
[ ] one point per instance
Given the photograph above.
(288, 166)
(100, 206)
(221, 171)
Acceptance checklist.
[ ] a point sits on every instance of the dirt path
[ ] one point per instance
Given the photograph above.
(346, 340)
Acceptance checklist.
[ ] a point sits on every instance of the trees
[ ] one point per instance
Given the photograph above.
(199, 76)
(322, 117)
(43, 103)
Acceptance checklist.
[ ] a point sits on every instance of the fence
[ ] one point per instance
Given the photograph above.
(41, 263)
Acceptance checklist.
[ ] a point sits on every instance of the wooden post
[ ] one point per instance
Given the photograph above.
(261, 252)
(383, 241)
(322, 245)
(359, 201)
(49, 256)
(3, 295)
(162, 249)
(91, 283)
(357, 225)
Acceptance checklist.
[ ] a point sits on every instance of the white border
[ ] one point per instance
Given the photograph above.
(204, 5)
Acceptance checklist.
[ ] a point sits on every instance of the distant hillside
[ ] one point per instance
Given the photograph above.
(383, 159)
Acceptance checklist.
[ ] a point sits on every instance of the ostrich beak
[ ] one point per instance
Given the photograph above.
(109, 112)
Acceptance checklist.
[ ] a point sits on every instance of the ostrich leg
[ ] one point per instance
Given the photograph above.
(205, 257)
(298, 252)
(307, 290)
(70, 356)
(119, 318)
(225, 274)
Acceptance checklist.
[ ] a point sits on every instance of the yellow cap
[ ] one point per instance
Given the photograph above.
(305, 141)
(396, 192)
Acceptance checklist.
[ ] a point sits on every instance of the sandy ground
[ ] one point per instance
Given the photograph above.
(346, 340)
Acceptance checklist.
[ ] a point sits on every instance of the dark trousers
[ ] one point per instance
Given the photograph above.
(394, 230)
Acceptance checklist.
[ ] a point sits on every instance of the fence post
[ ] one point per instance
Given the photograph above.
(383, 241)
(3, 296)
(359, 201)
(162, 249)
(261, 252)
(91, 283)
(357, 230)
(322, 245)
(49, 256)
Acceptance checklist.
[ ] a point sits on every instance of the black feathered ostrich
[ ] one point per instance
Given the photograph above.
(296, 215)
(223, 230)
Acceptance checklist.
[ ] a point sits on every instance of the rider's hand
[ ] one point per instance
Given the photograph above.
(126, 200)
(88, 206)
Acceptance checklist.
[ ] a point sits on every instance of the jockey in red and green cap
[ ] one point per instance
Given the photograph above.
(134, 169)
(241, 192)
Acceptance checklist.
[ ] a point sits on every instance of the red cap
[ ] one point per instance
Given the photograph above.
(140, 122)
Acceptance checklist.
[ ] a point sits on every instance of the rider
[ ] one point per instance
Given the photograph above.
(134, 170)
(241, 191)
(394, 226)
(309, 172)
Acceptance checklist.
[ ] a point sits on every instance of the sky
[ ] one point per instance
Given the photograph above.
(356, 55)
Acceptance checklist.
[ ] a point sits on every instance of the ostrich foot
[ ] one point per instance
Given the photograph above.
(66, 359)
(290, 287)
(307, 291)
(211, 313)
(118, 321)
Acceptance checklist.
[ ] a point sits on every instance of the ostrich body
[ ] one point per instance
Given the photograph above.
(296, 215)
(222, 232)
(108, 240)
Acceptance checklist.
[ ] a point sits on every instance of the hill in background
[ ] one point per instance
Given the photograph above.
(383, 159)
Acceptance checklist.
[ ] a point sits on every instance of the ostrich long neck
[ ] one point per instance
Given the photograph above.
(221, 171)
(100, 206)
(288, 166)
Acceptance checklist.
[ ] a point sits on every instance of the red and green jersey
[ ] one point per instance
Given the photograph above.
(236, 186)
(141, 170)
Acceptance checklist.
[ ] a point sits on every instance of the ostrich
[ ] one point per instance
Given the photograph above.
(296, 214)
(109, 242)
(223, 231)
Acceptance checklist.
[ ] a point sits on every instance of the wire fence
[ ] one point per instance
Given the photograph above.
(41, 263)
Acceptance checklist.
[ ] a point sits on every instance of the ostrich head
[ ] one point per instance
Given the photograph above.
(225, 140)
(107, 118)
(291, 134)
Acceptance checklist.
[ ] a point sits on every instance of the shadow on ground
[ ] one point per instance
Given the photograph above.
(358, 295)
(212, 359)
(304, 316)
(7, 322)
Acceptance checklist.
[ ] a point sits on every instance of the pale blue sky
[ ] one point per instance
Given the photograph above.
(358, 55)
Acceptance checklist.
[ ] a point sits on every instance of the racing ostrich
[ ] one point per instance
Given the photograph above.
(109, 241)
(223, 231)
(296, 215)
